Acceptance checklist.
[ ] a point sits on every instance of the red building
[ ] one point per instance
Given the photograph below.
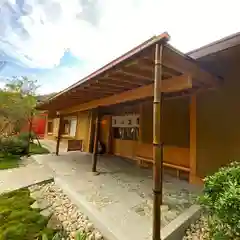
(38, 125)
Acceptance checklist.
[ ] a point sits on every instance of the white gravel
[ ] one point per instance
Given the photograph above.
(67, 213)
(198, 231)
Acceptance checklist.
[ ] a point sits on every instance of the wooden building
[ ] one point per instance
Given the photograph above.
(197, 119)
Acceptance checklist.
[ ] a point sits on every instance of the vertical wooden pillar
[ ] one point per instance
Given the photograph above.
(140, 140)
(30, 132)
(157, 145)
(90, 133)
(95, 145)
(59, 133)
(46, 126)
(110, 136)
(193, 138)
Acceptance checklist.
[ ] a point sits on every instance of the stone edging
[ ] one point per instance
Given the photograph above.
(176, 229)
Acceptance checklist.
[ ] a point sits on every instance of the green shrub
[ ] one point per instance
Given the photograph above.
(13, 145)
(18, 220)
(81, 236)
(58, 236)
(36, 149)
(25, 136)
(221, 200)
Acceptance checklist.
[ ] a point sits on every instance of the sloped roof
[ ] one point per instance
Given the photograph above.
(132, 70)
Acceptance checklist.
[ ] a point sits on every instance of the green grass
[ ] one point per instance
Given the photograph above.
(18, 221)
(10, 161)
(36, 149)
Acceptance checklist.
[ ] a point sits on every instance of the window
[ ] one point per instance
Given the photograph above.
(70, 126)
(66, 125)
(50, 127)
(127, 133)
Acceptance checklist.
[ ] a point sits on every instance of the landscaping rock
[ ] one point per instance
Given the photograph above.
(43, 204)
(40, 204)
(54, 223)
(65, 213)
(36, 195)
(89, 227)
(164, 208)
(98, 236)
(35, 205)
(198, 231)
(46, 213)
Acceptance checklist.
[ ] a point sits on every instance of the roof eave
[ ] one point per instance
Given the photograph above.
(217, 46)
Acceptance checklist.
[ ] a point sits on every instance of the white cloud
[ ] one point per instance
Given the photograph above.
(59, 79)
(97, 31)
(2, 85)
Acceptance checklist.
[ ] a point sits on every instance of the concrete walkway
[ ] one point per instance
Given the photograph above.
(119, 199)
(51, 146)
(13, 179)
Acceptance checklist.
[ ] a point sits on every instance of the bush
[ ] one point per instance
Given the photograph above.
(58, 236)
(18, 220)
(221, 199)
(13, 145)
(25, 136)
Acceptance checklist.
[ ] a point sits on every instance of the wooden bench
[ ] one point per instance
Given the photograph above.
(75, 145)
(144, 157)
(142, 163)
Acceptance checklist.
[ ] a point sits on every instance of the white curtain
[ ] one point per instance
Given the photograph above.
(73, 127)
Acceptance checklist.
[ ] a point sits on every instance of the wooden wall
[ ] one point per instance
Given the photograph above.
(175, 122)
(105, 132)
(175, 133)
(82, 132)
(218, 121)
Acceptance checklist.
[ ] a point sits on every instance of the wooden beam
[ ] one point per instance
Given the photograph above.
(148, 64)
(135, 75)
(83, 91)
(175, 60)
(170, 85)
(110, 84)
(122, 80)
(97, 89)
(193, 139)
(132, 79)
(104, 89)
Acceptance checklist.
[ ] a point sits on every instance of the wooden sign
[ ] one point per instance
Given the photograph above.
(125, 121)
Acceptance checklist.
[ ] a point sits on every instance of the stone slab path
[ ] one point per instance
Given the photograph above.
(119, 200)
(16, 178)
(51, 145)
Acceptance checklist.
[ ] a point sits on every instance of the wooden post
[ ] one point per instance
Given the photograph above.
(59, 134)
(30, 132)
(95, 146)
(140, 140)
(90, 132)
(157, 145)
(193, 140)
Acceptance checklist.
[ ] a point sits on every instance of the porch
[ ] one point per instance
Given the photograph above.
(155, 71)
(120, 198)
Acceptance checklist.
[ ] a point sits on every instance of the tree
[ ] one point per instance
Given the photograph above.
(17, 104)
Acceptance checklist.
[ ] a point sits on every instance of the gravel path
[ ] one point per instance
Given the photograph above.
(198, 231)
(71, 219)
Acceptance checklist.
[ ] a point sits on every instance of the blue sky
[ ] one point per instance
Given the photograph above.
(58, 42)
